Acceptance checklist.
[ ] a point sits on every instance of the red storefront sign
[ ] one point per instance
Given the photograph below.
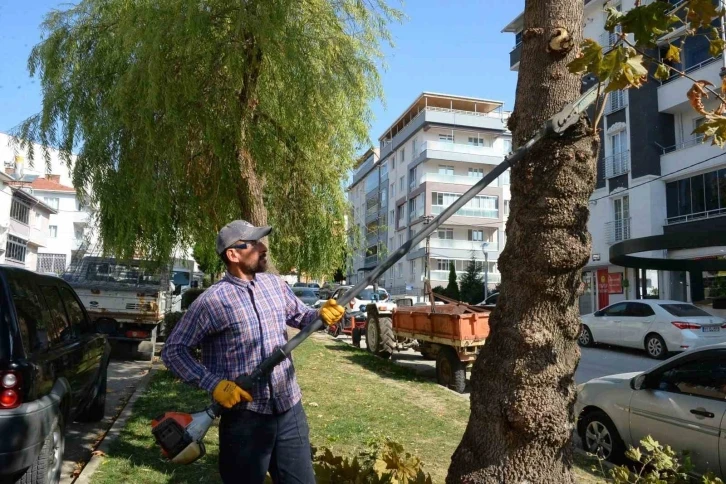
(603, 299)
(615, 283)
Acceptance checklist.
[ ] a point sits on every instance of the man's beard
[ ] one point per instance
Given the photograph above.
(260, 266)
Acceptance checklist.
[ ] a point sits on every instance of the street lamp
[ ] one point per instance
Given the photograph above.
(484, 247)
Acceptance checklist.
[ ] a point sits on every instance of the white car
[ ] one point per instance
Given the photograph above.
(658, 326)
(681, 402)
(366, 297)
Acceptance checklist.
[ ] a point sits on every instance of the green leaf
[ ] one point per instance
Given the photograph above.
(650, 444)
(702, 12)
(614, 18)
(588, 60)
(713, 128)
(624, 68)
(673, 54)
(662, 73)
(716, 45)
(634, 454)
(648, 23)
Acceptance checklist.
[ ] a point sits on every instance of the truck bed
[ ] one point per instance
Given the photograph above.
(449, 324)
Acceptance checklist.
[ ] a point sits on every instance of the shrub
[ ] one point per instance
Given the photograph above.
(189, 297)
(387, 463)
(170, 322)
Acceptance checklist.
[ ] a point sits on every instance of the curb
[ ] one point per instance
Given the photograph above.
(115, 430)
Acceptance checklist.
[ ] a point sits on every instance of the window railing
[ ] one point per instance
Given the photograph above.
(617, 164)
(719, 212)
(617, 230)
(468, 212)
(692, 141)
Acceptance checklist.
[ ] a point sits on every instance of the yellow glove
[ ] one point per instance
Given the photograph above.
(228, 394)
(331, 312)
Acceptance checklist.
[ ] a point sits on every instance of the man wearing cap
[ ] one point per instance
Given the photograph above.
(238, 322)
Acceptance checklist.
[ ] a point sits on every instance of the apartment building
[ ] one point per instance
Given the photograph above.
(65, 227)
(654, 176)
(430, 155)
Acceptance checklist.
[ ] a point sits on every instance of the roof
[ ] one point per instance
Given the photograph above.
(435, 99)
(43, 184)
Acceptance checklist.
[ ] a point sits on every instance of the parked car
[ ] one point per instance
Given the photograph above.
(314, 285)
(490, 302)
(680, 402)
(300, 284)
(53, 368)
(365, 297)
(657, 325)
(306, 294)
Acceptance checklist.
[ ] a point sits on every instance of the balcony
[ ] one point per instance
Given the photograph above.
(371, 261)
(672, 93)
(617, 230)
(492, 121)
(692, 150)
(467, 245)
(38, 237)
(492, 277)
(617, 164)
(468, 212)
(514, 57)
(454, 179)
(442, 150)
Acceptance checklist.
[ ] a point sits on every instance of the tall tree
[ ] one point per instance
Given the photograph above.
(521, 422)
(472, 283)
(452, 289)
(522, 383)
(188, 114)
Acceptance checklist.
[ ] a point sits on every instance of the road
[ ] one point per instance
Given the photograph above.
(81, 437)
(595, 362)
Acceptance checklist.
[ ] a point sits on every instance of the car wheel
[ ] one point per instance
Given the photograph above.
(585, 338)
(600, 437)
(656, 347)
(97, 409)
(47, 466)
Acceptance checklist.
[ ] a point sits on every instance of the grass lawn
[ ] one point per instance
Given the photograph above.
(350, 397)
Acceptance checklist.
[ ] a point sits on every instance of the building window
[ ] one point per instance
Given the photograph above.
(447, 234)
(413, 146)
(507, 145)
(393, 190)
(476, 235)
(413, 268)
(401, 214)
(399, 266)
(446, 170)
(446, 138)
(480, 206)
(443, 264)
(402, 155)
(698, 137)
(616, 101)
(53, 231)
(20, 211)
(52, 202)
(55, 263)
(506, 207)
(15, 249)
(476, 172)
(402, 185)
(621, 219)
(504, 178)
(696, 197)
(485, 142)
(412, 182)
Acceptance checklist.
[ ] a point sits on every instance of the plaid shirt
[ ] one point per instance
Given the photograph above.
(238, 324)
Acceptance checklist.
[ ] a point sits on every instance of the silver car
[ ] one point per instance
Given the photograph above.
(307, 295)
(680, 402)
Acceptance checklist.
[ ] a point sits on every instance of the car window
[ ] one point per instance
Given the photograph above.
(33, 316)
(61, 328)
(619, 309)
(382, 295)
(639, 310)
(701, 378)
(684, 310)
(366, 295)
(74, 311)
(492, 299)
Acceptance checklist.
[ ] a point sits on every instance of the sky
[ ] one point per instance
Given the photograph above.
(445, 46)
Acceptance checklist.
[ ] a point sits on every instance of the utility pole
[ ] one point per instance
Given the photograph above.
(484, 247)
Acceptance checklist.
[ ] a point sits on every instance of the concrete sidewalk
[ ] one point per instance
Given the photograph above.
(82, 437)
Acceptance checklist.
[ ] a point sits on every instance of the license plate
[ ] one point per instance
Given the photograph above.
(711, 329)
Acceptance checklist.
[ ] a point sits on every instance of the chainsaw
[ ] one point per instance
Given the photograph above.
(181, 435)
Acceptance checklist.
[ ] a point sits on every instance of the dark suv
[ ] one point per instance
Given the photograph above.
(52, 371)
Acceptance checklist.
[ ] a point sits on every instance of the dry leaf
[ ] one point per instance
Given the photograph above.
(696, 94)
(313, 404)
(99, 453)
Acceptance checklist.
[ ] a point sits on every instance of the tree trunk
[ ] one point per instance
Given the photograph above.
(521, 423)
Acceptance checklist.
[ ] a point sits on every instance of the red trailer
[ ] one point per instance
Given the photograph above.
(452, 334)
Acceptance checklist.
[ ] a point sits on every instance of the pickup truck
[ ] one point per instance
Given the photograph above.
(127, 300)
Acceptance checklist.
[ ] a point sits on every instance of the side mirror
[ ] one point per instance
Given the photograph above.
(638, 383)
(362, 308)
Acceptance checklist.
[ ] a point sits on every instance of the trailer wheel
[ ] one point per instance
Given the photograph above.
(450, 371)
(379, 336)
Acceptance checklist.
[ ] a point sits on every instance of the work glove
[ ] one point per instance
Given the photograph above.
(228, 394)
(331, 312)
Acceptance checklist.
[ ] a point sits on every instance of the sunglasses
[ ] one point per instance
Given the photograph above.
(243, 245)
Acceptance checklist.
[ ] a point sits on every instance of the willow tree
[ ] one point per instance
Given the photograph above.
(523, 389)
(187, 114)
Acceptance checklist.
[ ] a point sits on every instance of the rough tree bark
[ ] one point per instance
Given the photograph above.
(520, 428)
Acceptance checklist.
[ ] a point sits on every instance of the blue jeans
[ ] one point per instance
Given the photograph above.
(251, 444)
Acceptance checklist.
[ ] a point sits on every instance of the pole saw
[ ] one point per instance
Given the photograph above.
(181, 435)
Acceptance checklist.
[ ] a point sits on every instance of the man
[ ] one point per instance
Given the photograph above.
(239, 321)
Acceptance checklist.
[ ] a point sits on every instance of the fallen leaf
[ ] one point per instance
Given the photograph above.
(313, 404)
(99, 453)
